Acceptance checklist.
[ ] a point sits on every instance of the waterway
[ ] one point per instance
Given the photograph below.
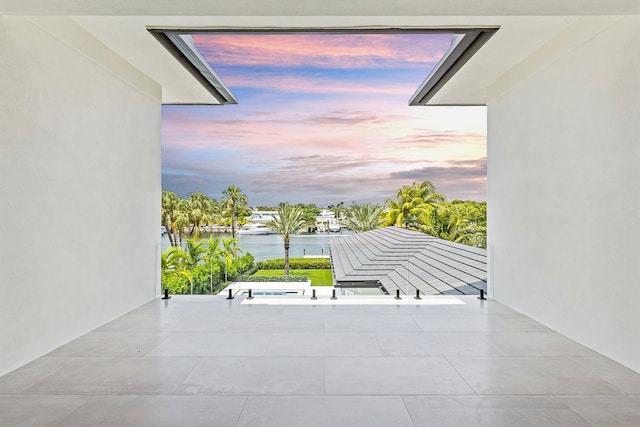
(271, 246)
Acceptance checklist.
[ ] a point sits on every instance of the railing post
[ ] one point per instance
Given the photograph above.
(250, 294)
(481, 297)
(230, 294)
(313, 296)
(397, 294)
(166, 294)
(333, 294)
(417, 294)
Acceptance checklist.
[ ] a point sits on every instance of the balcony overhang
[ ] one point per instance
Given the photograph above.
(127, 36)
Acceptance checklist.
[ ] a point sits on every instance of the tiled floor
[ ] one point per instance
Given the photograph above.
(206, 361)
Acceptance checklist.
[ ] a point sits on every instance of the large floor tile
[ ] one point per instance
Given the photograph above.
(534, 343)
(622, 377)
(530, 375)
(324, 411)
(476, 323)
(111, 344)
(472, 305)
(272, 323)
(255, 375)
(336, 344)
(392, 375)
(117, 375)
(491, 411)
(158, 411)
(435, 344)
(24, 377)
(419, 310)
(607, 411)
(213, 344)
(371, 323)
(36, 411)
(134, 322)
(304, 310)
(170, 322)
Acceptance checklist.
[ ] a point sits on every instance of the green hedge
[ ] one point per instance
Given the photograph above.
(251, 271)
(296, 264)
(272, 279)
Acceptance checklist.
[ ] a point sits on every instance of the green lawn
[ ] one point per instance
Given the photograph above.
(317, 277)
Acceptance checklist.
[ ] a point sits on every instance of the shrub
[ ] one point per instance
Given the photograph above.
(271, 279)
(296, 264)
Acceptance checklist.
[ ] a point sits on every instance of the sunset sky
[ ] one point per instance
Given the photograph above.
(323, 119)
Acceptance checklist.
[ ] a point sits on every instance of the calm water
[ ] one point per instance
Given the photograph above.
(270, 246)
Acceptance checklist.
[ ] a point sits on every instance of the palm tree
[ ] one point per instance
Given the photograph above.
(454, 224)
(195, 252)
(194, 255)
(229, 251)
(365, 217)
(173, 262)
(199, 208)
(172, 214)
(211, 257)
(289, 221)
(413, 206)
(180, 220)
(234, 199)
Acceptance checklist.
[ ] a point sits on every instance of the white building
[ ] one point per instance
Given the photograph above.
(262, 217)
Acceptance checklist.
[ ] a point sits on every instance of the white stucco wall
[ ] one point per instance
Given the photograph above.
(79, 187)
(564, 187)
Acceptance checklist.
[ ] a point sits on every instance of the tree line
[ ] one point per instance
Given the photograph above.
(206, 269)
(179, 214)
(419, 207)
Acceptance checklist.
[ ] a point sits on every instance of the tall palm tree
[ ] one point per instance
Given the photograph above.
(174, 216)
(289, 221)
(229, 251)
(180, 220)
(234, 199)
(199, 208)
(215, 212)
(365, 217)
(170, 203)
(413, 206)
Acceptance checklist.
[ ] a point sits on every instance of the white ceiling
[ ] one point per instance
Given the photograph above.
(319, 8)
(525, 27)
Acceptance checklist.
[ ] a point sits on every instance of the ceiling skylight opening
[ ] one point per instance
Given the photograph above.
(464, 43)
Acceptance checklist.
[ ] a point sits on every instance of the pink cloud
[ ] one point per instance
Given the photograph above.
(302, 84)
(335, 51)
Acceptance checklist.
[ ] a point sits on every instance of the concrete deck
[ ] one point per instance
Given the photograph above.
(206, 361)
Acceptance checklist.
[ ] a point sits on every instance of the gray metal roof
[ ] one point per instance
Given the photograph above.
(408, 260)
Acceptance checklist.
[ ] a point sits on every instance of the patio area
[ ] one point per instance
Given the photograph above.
(444, 361)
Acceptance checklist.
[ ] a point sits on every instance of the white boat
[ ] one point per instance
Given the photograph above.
(334, 227)
(256, 228)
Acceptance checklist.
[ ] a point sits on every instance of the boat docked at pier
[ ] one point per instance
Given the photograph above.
(256, 228)
(334, 227)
